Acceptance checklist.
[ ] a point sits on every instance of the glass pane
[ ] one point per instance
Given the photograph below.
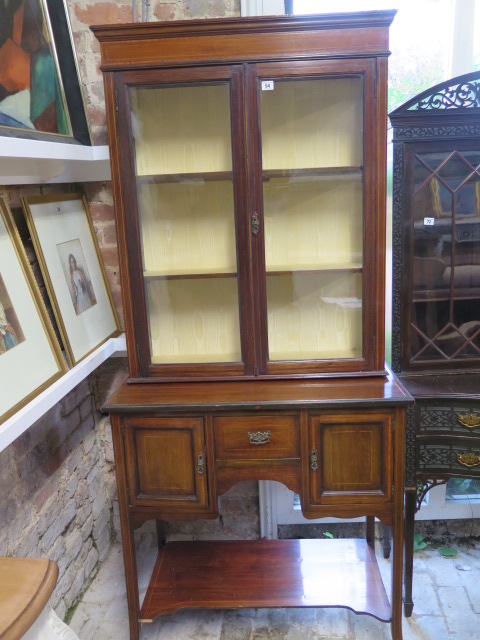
(183, 163)
(314, 316)
(194, 320)
(312, 158)
(446, 264)
(465, 489)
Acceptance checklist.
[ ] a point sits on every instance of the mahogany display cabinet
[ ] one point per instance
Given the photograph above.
(436, 288)
(248, 168)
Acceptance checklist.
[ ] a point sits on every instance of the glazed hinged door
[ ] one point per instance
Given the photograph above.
(183, 138)
(442, 203)
(315, 221)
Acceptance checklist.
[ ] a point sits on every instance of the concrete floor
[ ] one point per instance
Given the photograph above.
(446, 596)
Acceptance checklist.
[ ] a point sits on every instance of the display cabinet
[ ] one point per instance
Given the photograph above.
(250, 195)
(436, 287)
(248, 169)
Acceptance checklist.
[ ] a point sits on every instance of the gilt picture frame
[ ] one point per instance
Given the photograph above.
(40, 92)
(66, 246)
(30, 356)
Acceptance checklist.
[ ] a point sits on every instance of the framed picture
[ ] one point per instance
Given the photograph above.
(67, 250)
(30, 356)
(40, 93)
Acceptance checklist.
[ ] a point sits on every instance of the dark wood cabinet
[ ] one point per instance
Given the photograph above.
(248, 167)
(436, 294)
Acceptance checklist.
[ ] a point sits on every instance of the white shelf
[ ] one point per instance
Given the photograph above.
(38, 162)
(30, 413)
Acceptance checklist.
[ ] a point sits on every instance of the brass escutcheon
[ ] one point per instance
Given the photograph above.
(468, 459)
(259, 437)
(314, 460)
(469, 420)
(200, 464)
(255, 224)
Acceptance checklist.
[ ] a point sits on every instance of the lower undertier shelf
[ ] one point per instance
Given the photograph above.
(266, 573)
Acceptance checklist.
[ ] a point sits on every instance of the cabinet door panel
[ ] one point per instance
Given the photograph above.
(351, 458)
(166, 462)
(441, 279)
(314, 194)
(185, 138)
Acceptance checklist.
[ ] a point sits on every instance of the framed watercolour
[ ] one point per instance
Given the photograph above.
(40, 93)
(67, 250)
(30, 356)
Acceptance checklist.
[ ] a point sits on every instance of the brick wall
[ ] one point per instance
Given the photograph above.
(57, 486)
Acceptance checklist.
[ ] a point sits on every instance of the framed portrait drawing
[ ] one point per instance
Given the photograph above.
(30, 356)
(40, 91)
(69, 257)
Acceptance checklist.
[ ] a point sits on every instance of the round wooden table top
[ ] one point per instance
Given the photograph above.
(26, 585)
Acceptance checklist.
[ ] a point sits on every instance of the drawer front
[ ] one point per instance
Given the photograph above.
(351, 458)
(448, 417)
(455, 458)
(166, 462)
(256, 437)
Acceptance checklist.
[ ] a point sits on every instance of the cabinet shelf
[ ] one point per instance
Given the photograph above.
(190, 178)
(201, 358)
(266, 573)
(305, 355)
(180, 274)
(329, 173)
(443, 295)
(286, 269)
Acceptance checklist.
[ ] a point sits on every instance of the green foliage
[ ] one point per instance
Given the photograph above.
(327, 534)
(418, 543)
(448, 552)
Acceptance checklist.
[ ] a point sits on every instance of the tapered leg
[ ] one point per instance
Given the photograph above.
(161, 539)
(410, 498)
(370, 534)
(398, 527)
(386, 546)
(128, 543)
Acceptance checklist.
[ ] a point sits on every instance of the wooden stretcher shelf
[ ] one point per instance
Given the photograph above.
(266, 573)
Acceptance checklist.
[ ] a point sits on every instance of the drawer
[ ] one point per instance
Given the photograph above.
(256, 437)
(455, 458)
(448, 418)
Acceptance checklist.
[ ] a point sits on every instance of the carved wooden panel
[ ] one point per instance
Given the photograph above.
(456, 458)
(449, 417)
(351, 457)
(166, 461)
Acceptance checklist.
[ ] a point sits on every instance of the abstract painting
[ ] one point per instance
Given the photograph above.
(32, 98)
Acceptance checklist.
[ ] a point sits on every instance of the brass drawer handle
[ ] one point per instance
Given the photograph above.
(314, 460)
(200, 464)
(468, 459)
(469, 420)
(259, 437)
